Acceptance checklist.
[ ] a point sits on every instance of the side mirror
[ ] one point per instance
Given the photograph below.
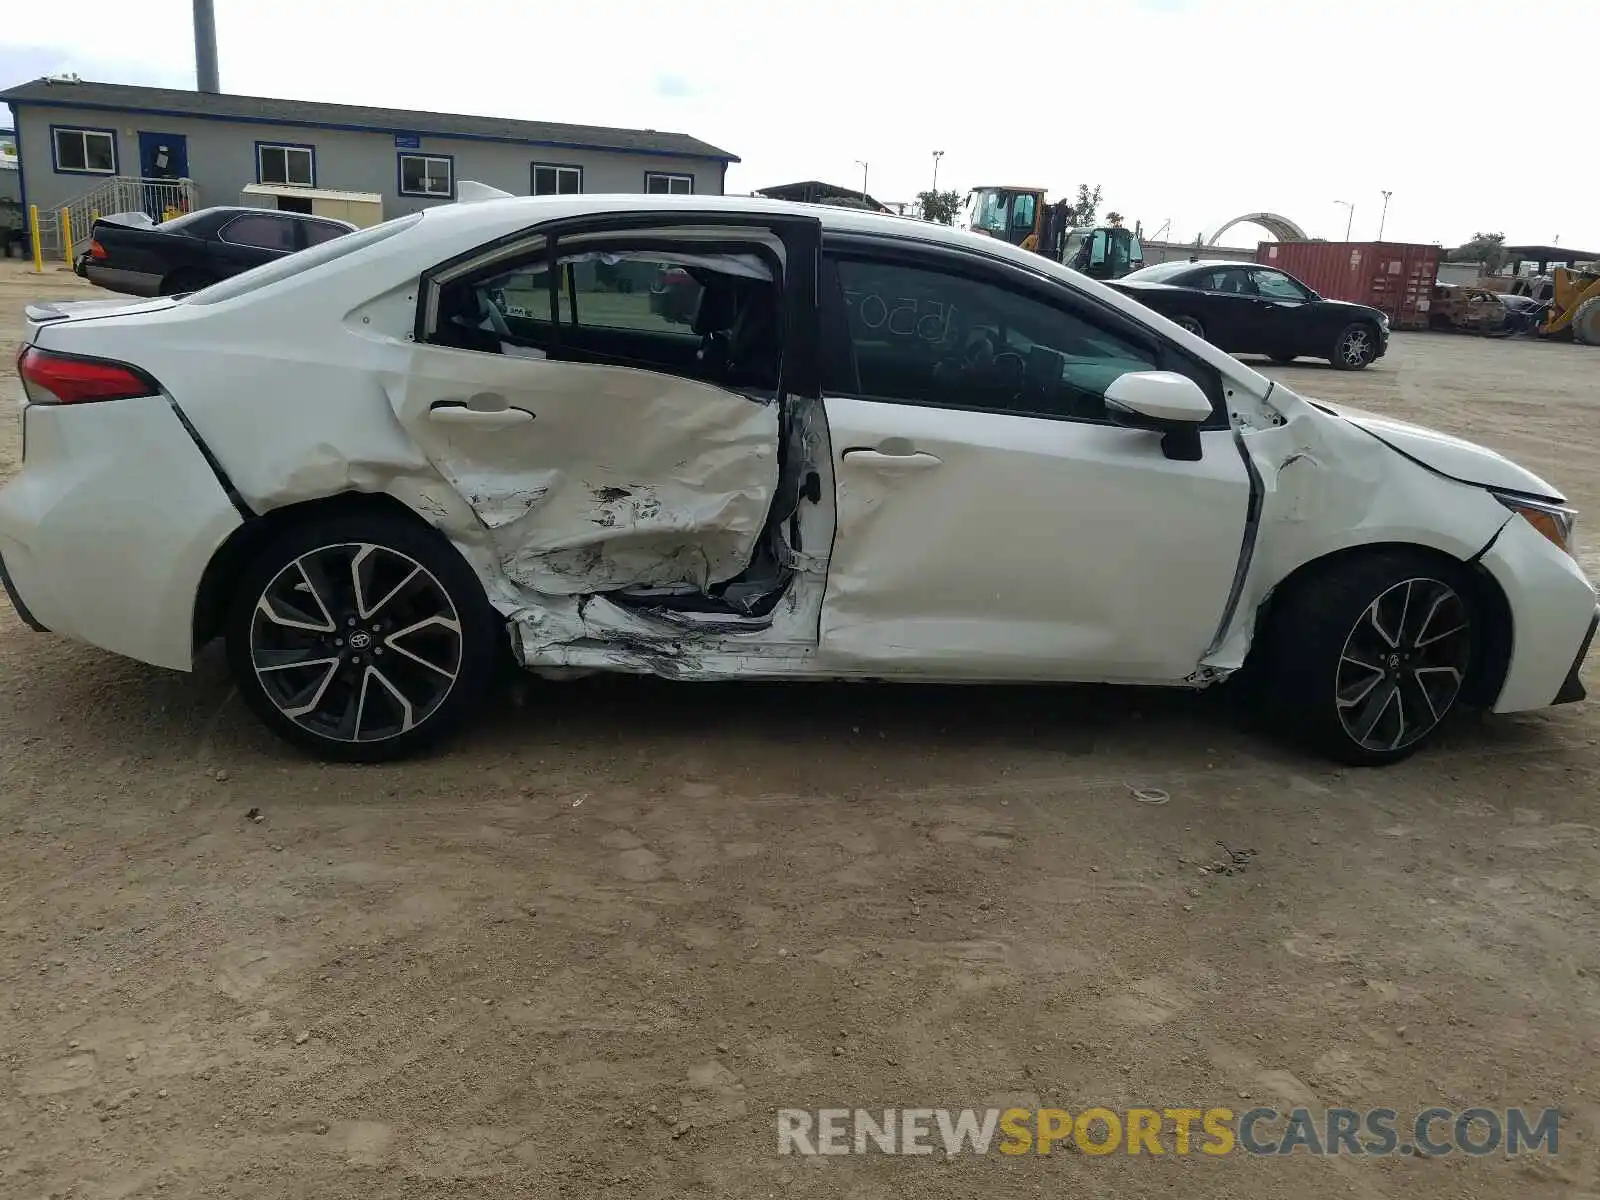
(1163, 402)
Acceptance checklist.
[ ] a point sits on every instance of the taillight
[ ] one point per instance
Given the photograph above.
(50, 378)
(96, 250)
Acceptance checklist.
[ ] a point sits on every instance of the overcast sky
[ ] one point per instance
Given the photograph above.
(1189, 110)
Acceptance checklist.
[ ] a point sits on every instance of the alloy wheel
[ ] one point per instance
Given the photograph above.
(356, 642)
(1356, 348)
(1191, 325)
(1403, 664)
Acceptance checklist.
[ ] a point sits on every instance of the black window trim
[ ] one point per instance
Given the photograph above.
(294, 226)
(533, 178)
(800, 296)
(1008, 276)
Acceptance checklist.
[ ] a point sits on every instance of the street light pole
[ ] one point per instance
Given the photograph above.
(863, 167)
(1385, 216)
(1348, 220)
(937, 155)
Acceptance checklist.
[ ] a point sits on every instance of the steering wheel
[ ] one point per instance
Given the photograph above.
(491, 312)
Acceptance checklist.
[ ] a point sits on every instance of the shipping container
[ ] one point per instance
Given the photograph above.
(1396, 278)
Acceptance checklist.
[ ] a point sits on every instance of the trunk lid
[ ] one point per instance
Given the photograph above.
(50, 312)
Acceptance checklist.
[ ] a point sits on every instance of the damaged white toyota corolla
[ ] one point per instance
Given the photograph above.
(713, 438)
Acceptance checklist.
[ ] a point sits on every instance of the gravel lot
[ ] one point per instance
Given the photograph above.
(589, 950)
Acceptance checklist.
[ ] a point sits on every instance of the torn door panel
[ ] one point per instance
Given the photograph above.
(622, 478)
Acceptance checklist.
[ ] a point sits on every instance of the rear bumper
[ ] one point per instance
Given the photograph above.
(114, 279)
(1572, 688)
(108, 527)
(17, 602)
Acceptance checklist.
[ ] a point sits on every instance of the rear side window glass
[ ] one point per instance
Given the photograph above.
(306, 260)
(264, 233)
(318, 232)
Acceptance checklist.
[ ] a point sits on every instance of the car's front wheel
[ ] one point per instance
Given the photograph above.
(361, 637)
(1356, 347)
(1366, 660)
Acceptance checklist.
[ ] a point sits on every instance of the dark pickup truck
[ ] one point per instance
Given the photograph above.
(128, 252)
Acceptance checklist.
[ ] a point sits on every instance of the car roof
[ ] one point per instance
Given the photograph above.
(465, 222)
(1218, 262)
(273, 212)
(534, 209)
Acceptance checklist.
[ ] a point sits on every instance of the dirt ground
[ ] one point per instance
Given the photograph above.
(590, 949)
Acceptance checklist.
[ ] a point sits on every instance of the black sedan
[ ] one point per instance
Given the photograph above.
(1248, 309)
(128, 252)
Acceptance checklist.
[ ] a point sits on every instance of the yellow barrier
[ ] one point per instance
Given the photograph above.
(66, 234)
(38, 252)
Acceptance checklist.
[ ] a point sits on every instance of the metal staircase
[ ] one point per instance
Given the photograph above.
(64, 231)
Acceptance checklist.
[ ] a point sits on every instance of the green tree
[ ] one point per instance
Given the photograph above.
(942, 207)
(1486, 248)
(1086, 205)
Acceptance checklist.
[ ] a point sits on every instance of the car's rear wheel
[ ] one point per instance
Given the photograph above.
(1192, 324)
(1356, 347)
(361, 637)
(1366, 660)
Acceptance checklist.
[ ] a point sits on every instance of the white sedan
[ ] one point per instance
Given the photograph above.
(876, 449)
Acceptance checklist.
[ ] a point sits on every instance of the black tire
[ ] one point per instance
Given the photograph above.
(310, 684)
(182, 282)
(1192, 324)
(1586, 322)
(1321, 635)
(1356, 347)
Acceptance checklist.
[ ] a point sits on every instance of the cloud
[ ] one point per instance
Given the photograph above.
(673, 87)
(19, 64)
(1191, 110)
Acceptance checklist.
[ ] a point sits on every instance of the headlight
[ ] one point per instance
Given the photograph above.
(1555, 521)
(1383, 320)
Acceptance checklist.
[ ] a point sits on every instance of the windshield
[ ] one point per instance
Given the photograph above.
(303, 260)
(989, 211)
(1160, 273)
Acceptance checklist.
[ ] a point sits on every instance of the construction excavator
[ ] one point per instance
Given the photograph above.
(1571, 299)
(1023, 217)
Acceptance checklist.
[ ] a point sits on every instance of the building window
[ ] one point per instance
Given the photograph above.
(427, 175)
(85, 151)
(295, 166)
(554, 179)
(660, 183)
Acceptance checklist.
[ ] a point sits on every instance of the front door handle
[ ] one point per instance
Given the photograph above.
(894, 463)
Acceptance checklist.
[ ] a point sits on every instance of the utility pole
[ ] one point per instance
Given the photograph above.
(937, 155)
(863, 167)
(1350, 219)
(1385, 216)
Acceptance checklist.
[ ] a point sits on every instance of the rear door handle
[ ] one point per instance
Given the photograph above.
(487, 410)
(893, 463)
